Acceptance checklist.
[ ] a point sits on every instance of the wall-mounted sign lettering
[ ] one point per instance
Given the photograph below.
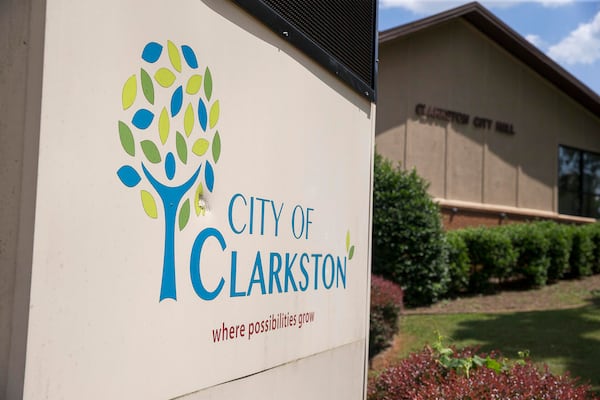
(442, 114)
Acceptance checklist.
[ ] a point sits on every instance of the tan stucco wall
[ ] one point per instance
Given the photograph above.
(454, 67)
(20, 86)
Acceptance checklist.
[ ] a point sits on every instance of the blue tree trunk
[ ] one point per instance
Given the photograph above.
(171, 197)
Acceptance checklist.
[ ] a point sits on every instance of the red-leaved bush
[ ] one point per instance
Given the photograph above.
(386, 305)
(422, 377)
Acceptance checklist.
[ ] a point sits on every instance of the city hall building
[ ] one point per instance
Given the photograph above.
(501, 132)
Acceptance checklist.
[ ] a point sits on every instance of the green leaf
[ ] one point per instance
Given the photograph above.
(147, 86)
(184, 214)
(188, 120)
(150, 151)
(181, 145)
(207, 84)
(351, 254)
(214, 114)
(129, 92)
(193, 84)
(163, 125)
(126, 138)
(164, 77)
(216, 147)
(174, 56)
(200, 147)
(149, 204)
(347, 240)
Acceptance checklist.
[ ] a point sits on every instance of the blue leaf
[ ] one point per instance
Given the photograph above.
(152, 52)
(170, 165)
(202, 114)
(209, 177)
(142, 118)
(190, 57)
(129, 176)
(176, 101)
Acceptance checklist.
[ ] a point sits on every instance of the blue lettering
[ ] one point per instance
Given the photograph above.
(289, 276)
(324, 271)
(251, 215)
(297, 235)
(260, 279)
(232, 291)
(308, 221)
(341, 273)
(262, 214)
(276, 216)
(233, 198)
(274, 272)
(195, 261)
(316, 257)
(303, 257)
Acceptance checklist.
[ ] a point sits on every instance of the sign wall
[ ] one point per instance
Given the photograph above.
(202, 208)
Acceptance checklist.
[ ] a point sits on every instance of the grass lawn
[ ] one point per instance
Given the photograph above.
(567, 339)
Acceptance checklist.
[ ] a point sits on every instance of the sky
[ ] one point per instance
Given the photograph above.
(568, 31)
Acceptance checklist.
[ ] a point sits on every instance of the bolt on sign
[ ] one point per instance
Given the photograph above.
(200, 212)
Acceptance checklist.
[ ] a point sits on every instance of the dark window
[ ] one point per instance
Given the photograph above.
(578, 182)
(341, 35)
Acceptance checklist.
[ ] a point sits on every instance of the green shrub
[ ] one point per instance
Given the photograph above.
(386, 305)
(408, 242)
(492, 256)
(559, 248)
(531, 245)
(459, 263)
(582, 248)
(594, 233)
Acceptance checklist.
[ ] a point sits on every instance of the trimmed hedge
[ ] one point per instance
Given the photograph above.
(536, 253)
(424, 376)
(409, 245)
(582, 251)
(492, 255)
(559, 249)
(531, 246)
(386, 305)
(459, 263)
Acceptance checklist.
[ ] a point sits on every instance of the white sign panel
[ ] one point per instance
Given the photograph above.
(203, 206)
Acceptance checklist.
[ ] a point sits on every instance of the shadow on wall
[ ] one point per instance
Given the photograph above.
(571, 336)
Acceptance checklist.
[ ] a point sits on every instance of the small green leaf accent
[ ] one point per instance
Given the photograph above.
(150, 151)
(207, 84)
(193, 84)
(174, 56)
(184, 214)
(149, 204)
(188, 120)
(351, 254)
(200, 147)
(126, 138)
(147, 86)
(129, 92)
(181, 145)
(164, 77)
(163, 125)
(214, 114)
(347, 240)
(216, 147)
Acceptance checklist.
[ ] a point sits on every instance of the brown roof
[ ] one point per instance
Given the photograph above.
(488, 24)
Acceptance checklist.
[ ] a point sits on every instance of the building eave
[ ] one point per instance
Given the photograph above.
(491, 26)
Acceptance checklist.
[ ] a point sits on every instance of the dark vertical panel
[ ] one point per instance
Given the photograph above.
(340, 35)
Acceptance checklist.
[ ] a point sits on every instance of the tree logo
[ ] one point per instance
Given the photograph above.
(168, 132)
